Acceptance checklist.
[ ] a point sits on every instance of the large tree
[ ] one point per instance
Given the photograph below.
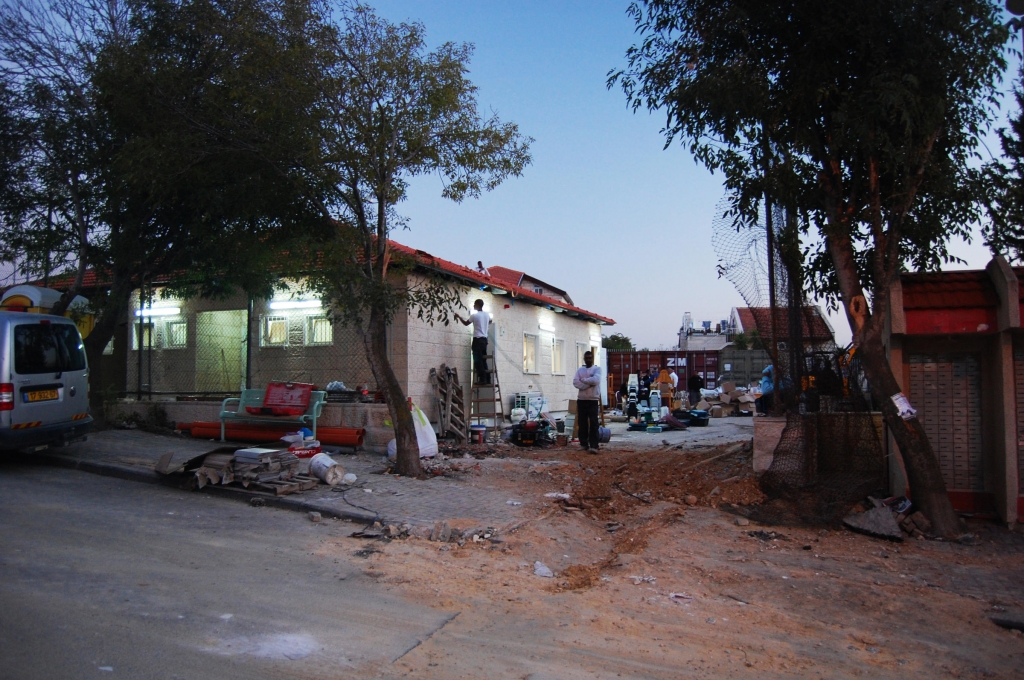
(161, 138)
(1005, 230)
(862, 116)
(395, 110)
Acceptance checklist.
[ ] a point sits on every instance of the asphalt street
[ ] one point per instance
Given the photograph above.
(101, 577)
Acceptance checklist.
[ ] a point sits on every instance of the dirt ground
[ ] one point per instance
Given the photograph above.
(657, 574)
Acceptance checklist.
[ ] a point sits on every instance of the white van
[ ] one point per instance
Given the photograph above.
(44, 381)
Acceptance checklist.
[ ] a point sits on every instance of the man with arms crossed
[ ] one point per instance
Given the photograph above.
(588, 380)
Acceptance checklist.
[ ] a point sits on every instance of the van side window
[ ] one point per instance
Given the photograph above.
(47, 348)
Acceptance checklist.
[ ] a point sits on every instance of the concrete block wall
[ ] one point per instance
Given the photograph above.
(424, 347)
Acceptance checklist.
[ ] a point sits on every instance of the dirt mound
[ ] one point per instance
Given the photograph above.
(617, 482)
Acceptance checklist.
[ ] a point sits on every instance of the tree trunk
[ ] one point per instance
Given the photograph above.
(103, 330)
(927, 486)
(923, 474)
(375, 339)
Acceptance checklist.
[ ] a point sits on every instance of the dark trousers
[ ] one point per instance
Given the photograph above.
(587, 411)
(483, 376)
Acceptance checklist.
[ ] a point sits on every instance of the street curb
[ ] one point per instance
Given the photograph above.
(132, 474)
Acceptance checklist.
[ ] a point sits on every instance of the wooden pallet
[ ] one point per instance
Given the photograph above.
(450, 404)
(281, 487)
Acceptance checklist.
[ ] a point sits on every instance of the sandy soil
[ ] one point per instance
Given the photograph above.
(648, 586)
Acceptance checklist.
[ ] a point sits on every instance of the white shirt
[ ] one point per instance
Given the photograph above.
(480, 322)
(675, 379)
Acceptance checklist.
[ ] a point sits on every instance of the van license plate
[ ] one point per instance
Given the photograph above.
(41, 395)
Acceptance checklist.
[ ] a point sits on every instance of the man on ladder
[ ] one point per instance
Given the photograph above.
(480, 320)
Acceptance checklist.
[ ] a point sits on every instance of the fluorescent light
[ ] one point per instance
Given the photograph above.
(158, 311)
(559, 310)
(295, 304)
(546, 327)
(498, 291)
(595, 339)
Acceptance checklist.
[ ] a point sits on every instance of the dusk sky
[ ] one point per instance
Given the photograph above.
(604, 211)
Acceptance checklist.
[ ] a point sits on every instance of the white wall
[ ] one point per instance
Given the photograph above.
(427, 347)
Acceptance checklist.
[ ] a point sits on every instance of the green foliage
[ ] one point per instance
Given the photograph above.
(861, 118)
(395, 110)
(617, 341)
(1005, 231)
(748, 340)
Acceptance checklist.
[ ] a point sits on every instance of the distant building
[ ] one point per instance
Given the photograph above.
(815, 332)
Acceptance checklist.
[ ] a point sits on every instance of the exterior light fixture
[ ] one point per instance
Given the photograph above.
(596, 339)
(158, 311)
(546, 327)
(498, 291)
(296, 304)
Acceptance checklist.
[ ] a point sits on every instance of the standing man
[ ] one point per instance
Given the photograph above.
(694, 385)
(480, 320)
(588, 380)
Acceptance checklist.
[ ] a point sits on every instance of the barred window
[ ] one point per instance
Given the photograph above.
(147, 335)
(273, 331)
(529, 353)
(175, 334)
(557, 356)
(319, 330)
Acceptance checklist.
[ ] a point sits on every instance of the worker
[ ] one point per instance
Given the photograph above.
(645, 385)
(588, 380)
(694, 385)
(480, 320)
(675, 380)
(767, 398)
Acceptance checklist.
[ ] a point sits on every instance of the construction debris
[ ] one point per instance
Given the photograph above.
(878, 522)
(450, 404)
(267, 469)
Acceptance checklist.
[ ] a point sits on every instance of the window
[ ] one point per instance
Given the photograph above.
(47, 348)
(175, 334)
(273, 331)
(148, 339)
(557, 356)
(529, 353)
(319, 330)
(581, 349)
(538, 290)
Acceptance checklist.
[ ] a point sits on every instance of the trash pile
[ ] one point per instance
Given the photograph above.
(891, 519)
(727, 400)
(267, 469)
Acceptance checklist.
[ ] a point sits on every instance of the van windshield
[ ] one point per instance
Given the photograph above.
(47, 348)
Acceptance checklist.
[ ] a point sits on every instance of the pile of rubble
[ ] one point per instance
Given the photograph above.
(892, 519)
(727, 400)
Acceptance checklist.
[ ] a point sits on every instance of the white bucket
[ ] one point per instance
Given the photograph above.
(324, 468)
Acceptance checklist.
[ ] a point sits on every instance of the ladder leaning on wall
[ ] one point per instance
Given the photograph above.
(485, 402)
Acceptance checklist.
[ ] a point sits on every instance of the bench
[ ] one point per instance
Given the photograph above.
(254, 399)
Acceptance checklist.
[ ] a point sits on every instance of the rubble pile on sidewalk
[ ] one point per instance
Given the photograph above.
(727, 400)
(265, 469)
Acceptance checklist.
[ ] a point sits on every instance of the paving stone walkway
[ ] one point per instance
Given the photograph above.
(133, 454)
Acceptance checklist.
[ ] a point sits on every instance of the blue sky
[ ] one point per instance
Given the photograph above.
(604, 211)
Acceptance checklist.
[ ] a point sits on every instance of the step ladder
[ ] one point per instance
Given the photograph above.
(485, 403)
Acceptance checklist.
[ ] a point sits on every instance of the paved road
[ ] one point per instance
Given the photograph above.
(102, 577)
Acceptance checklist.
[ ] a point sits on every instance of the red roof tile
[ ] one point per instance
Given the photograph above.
(507, 276)
(503, 279)
(472, 276)
(948, 290)
(814, 326)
